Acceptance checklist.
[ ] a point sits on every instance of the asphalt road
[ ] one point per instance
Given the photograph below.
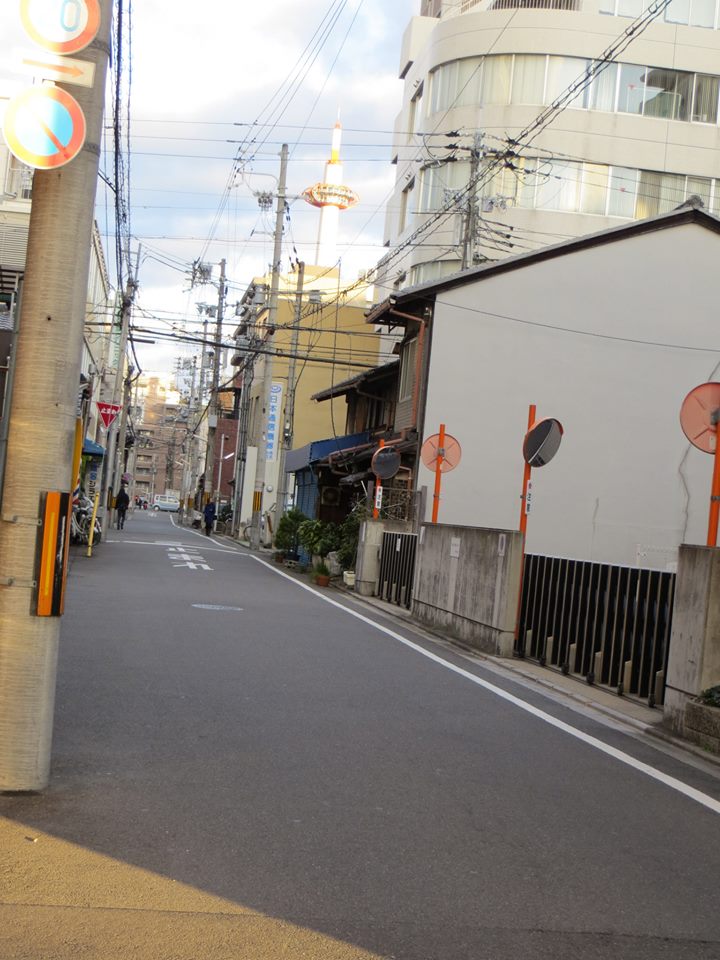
(242, 769)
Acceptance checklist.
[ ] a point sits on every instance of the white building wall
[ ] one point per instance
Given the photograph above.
(616, 492)
(645, 143)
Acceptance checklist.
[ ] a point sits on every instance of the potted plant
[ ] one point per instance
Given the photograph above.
(321, 573)
(286, 535)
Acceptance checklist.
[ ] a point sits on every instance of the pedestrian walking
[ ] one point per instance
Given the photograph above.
(122, 502)
(209, 514)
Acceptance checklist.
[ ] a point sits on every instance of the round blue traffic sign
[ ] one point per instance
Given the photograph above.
(44, 127)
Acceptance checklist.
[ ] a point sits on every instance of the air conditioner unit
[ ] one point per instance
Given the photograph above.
(330, 496)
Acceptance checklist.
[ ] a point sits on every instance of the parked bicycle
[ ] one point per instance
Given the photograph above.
(81, 520)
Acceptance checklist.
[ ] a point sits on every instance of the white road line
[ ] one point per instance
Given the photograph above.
(205, 537)
(702, 798)
(175, 543)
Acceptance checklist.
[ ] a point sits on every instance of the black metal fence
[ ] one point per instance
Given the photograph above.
(608, 624)
(397, 567)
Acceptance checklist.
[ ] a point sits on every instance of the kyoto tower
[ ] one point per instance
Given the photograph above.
(331, 196)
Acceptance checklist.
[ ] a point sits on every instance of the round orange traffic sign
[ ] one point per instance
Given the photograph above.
(61, 26)
(44, 127)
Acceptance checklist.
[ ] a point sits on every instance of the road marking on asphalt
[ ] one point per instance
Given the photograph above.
(697, 795)
(216, 606)
(193, 561)
(204, 536)
(176, 543)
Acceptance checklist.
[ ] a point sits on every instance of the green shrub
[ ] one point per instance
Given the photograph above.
(711, 696)
(319, 537)
(350, 535)
(286, 535)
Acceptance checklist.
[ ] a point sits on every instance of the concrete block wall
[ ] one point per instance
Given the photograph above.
(466, 584)
(694, 658)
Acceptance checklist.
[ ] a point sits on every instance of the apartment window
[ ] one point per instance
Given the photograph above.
(469, 82)
(412, 118)
(594, 188)
(407, 370)
(601, 190)
(658, 193)
(695, 13)
(603, 91)
(631, 95)
(668, 94)
(699, 187)
(436, 181)
(528, 79)
(561, 189)
(405, 202)
(622, 192)
(563, 71)
(415, 113)
(496, 79)
(455, 84)
(705, 99)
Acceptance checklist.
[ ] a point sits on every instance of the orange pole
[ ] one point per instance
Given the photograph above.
(715, 491)
(378, 484)
(438, 473)
(526, 480)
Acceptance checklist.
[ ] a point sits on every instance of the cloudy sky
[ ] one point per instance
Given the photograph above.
(203, 76)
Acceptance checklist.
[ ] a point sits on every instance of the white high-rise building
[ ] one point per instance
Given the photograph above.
(638, 140)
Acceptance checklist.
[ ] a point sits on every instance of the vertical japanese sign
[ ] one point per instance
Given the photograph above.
(274, 427)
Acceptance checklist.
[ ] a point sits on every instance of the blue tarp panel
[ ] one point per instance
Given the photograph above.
(319, 449)
(92, 449)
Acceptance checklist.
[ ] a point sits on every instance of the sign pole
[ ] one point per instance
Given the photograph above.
(378, 491)
(715, 491)
(523, 530)
(526, 481)
(438, 473)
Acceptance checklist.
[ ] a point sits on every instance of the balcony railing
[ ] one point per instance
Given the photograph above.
(18, 181)
(466, 6)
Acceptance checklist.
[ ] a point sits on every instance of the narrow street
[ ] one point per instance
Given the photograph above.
(243, 769)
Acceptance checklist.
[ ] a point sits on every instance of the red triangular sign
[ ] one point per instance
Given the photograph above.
(108, 411)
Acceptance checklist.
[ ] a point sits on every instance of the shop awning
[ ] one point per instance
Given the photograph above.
(92, 449)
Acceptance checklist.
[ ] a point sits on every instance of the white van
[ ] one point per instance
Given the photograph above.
(164, 501)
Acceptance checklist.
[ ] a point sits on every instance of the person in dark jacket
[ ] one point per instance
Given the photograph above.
(122, 502)
(209, 514)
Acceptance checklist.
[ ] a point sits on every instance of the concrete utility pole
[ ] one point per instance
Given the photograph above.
(118, 397)
(42, 429)
(126, 397)
(242, 445)
(289, 414)
(471, 213)
(214, 409)
(256, 526)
